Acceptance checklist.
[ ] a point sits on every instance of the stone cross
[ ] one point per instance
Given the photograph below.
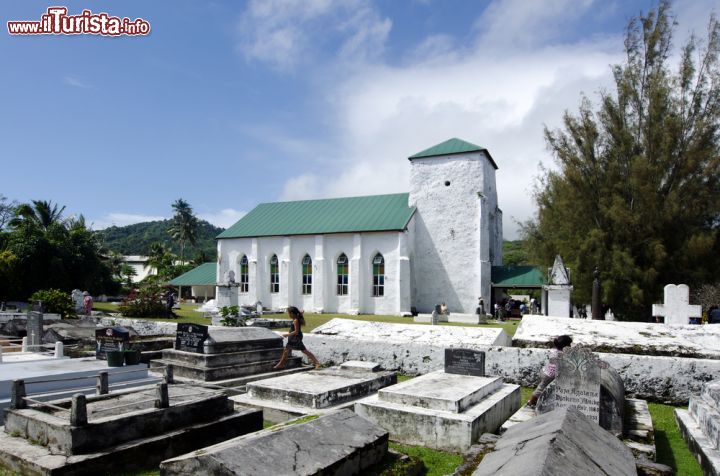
(676, 308)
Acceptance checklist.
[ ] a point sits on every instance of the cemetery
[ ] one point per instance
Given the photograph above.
(460, 391)
(436, 337)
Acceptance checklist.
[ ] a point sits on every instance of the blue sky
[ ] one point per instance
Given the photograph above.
(229, 104)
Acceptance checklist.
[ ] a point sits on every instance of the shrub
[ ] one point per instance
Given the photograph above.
(145, 303)
(231, 317)
(55, 301)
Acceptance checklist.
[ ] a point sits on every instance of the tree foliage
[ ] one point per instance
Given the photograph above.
(136, 239)
(185, 225)
(636, 191)
(43, 250)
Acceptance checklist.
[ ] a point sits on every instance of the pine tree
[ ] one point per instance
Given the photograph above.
(637, 187)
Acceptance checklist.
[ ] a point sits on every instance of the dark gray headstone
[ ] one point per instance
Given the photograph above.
(563, 441)
(110, 339)
(191, 337)
(34, 328)
(465, 362)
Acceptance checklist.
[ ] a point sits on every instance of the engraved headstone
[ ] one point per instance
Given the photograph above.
(465, 362)
(577, 384)
(191, 337)
(676, 308)
(35, 327)
(109, 339)
(227, 296)
(77, 299)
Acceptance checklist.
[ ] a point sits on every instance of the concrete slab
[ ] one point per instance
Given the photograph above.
(559, 442)
(23, 457)
(20, 357)
(639, 434)
(442, 411)
(239, 339)
(306, 393)
(700, 445)
(114, 419)
(699, 341)
(337, 443)
(360, 366)
(64, 377)
(441, 391)
(700, 426)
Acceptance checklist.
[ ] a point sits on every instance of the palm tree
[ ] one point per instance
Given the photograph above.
(185, 225)
(160, 258)
(42, 214)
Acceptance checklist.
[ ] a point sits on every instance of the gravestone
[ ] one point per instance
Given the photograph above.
(700, 426)
(340, 443)
(119, 433)
(227, 295)
(589, 385)
(563, 441)
(191, 337)
(35, 327)
(227, 356)
(676, 308)
(317, 391)
(443, 410)
(558, 289)
(77, 299)
(110, 339)
(465, 362)
(577, 384)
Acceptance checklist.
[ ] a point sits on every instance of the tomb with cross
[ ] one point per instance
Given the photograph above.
(676, 308)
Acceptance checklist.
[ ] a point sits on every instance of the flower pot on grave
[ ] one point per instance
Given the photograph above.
(115, 358)
(132, 357)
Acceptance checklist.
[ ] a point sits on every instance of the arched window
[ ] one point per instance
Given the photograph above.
(342, 275)
(244, 281)
(274, 275)
(378, 275)
(307, 275)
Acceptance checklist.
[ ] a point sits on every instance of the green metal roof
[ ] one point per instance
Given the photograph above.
(517, 276)
(333, 215)
(450, 147)
(203, 275)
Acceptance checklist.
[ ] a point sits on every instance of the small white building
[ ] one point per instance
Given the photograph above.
(381, 254)
(140, 264)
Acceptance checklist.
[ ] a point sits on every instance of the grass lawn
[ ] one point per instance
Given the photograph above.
(671, 448)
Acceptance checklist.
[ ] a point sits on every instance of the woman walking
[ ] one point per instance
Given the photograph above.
(295, 337)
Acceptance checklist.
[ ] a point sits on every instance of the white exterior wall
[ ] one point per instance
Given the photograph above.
(456, 229)
(360, 248)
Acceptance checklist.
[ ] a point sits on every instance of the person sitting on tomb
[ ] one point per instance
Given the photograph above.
(444, 309)
(549, 370)
(295, 339)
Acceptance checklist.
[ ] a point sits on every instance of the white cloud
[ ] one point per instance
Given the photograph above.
(225, 218)
(286, 33)
(75, 82)
(497, 90)
(121, 219)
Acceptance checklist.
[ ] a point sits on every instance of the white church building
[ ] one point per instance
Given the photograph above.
(381, 254)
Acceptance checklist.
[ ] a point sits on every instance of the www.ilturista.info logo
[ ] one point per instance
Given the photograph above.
(57, 22)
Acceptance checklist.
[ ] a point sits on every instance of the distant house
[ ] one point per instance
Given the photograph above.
(201, 281)
(139, 264)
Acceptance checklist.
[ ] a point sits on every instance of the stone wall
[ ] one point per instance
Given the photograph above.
(655, 378)
(457, 221)
(143, 328)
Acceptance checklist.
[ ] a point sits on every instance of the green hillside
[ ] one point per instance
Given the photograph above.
(136, 239)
